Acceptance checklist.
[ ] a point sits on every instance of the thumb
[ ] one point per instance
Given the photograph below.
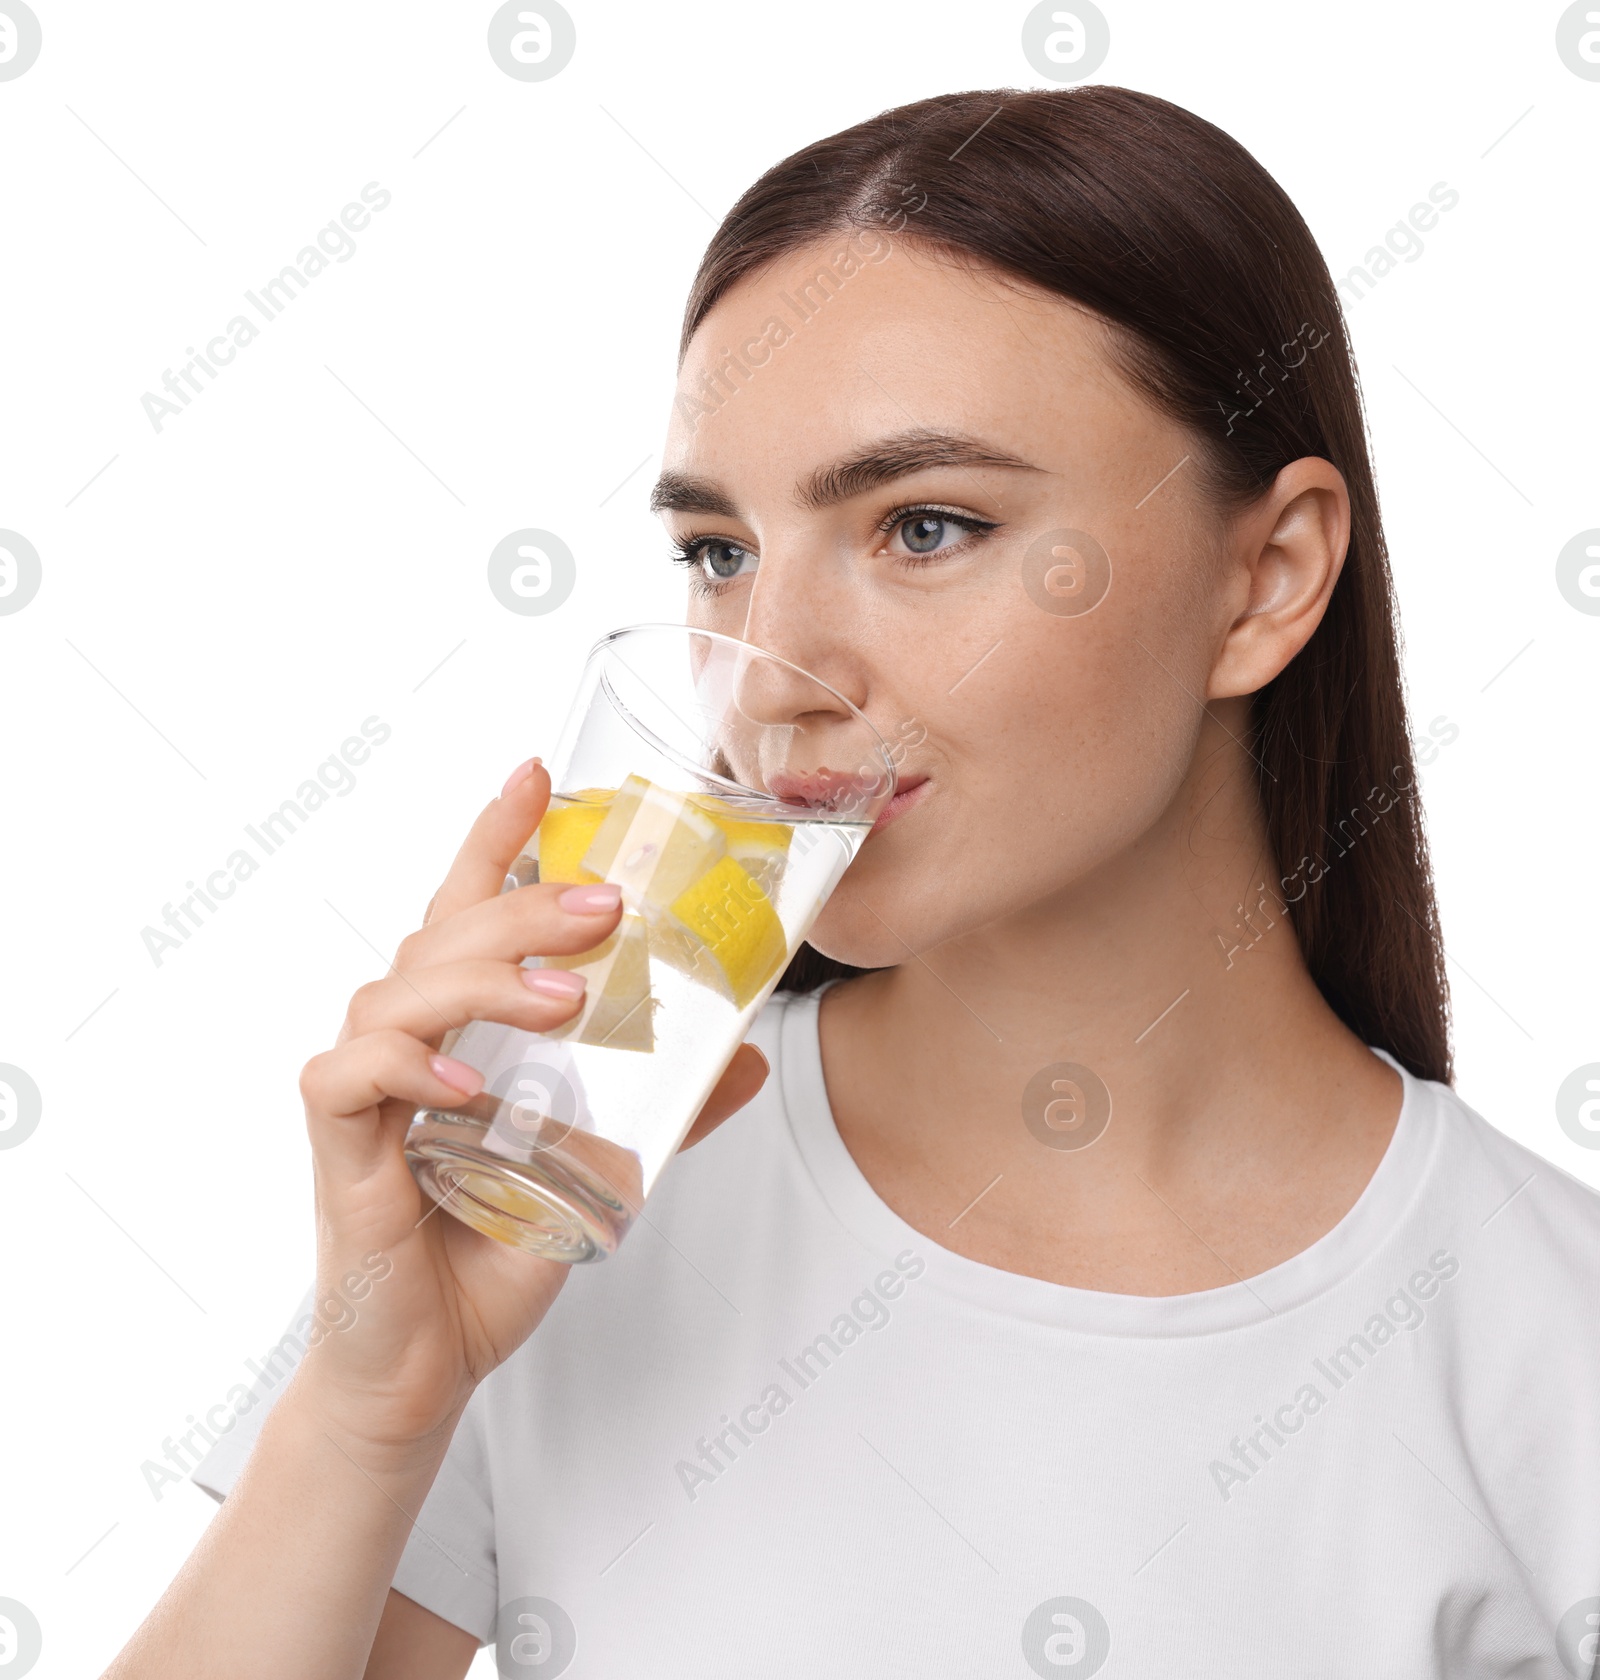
(741, 1079)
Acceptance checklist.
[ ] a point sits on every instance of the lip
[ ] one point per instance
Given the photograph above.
(824, 789)
(910, 793)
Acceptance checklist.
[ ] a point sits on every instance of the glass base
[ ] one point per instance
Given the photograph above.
(545, 1201)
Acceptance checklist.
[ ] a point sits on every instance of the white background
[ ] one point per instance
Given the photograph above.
(230, 598)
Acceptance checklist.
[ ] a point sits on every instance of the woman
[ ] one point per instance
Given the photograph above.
(1105, 1274)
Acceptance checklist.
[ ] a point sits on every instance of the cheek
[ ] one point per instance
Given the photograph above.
(1045, 765)
(703, 611)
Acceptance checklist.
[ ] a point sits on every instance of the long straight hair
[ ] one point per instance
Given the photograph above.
(1223, 313)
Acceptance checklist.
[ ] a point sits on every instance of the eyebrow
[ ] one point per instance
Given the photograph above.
(878, 463)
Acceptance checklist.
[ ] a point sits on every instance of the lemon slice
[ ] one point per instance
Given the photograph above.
(760, 848)
(618, 1006)
(567, 832)
(654, 845)
(734, 921)
(672, 943)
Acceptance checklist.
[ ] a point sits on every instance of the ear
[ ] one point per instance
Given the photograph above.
(1283, 558)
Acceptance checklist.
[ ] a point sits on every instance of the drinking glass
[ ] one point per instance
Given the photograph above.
(725, 791)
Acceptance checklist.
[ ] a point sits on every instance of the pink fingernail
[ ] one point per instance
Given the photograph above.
(554, 982)
(519, 776)
(457, 1074)
(591, 901)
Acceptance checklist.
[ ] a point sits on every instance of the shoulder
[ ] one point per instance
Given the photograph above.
(1528, 1208)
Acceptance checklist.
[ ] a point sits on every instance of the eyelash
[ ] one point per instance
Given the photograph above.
(690, 552)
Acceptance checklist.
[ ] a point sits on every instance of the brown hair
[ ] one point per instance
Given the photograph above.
(1171, 231)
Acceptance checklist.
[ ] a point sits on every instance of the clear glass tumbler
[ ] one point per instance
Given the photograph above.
(725, 791)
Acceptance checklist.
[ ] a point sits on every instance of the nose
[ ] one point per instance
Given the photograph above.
(798, 607)
(813, 748)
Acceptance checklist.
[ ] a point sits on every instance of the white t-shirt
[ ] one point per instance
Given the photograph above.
(781, 1433)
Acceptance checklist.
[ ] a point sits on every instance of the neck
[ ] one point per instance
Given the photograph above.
(1235, 1094)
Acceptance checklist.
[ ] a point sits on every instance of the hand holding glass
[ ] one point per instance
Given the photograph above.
(724, 791)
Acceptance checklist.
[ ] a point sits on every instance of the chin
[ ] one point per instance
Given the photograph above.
(850, 933)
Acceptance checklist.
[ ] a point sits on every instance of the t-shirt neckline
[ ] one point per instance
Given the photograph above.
(1394, 1188)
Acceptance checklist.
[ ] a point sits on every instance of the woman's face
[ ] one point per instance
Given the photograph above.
(938, 495)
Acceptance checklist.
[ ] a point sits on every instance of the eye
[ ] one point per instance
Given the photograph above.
(713, 561)
(923, 532)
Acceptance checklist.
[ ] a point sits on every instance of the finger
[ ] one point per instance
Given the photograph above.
(428, 1002)
(344, 1088)
(741, 1079)
(548, 919)
(503, 828)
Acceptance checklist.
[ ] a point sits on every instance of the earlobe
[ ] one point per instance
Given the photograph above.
(1291, 548)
